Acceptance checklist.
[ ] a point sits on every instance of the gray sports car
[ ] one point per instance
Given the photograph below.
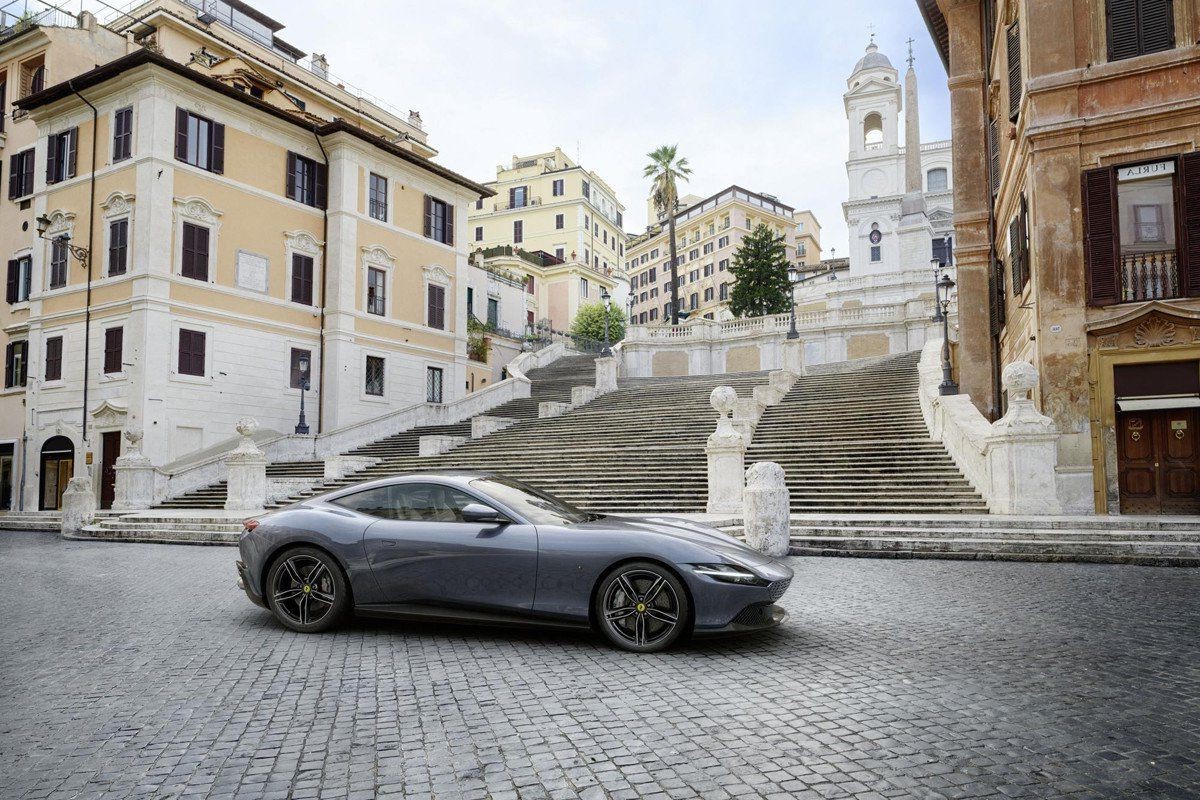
(480, 547)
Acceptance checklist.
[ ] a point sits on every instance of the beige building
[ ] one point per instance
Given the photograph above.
(215, 217)
(1077, 126)
(708, 231)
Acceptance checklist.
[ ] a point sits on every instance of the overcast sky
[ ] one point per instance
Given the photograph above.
(751, 91)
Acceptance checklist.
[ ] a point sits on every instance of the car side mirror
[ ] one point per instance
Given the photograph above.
(478, 512)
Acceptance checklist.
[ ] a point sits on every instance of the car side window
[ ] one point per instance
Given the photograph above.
(410, 502)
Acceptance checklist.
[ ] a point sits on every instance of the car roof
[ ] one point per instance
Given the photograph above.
(454, 477)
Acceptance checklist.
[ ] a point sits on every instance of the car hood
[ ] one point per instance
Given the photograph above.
(685, 530)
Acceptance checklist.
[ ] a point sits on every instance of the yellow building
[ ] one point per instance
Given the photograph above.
(210, 223)
(708, 232)
(549, 204)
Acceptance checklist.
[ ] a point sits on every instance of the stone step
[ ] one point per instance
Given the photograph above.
(1140, 552)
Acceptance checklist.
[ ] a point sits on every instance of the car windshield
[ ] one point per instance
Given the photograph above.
(537, 507)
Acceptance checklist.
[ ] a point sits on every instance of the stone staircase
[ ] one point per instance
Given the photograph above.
(211, 527)
(851, 439)
(30, 520)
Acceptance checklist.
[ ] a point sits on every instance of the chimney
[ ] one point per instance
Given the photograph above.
(320, 65)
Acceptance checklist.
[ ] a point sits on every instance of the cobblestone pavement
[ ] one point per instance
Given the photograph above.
(141, 671)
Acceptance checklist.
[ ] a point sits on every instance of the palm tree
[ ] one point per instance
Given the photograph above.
(664, 168)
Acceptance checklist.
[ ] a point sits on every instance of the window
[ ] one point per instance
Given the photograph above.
(935, 180)
(436, 306)
(470, 301)
(122, 134)
(16, 356)
(60, 155)
(723, 264)
(1137, 27)
(20, 272)
(876, 253)
(479, 233)
(587, 190)
(1013, 43)
(693, 254)
(583, 287)
(654, 253)
(708, 294)
(114, 339)
(439, 220)
(943, 250)
(410, 502)
(54, 346)
(1146, 246)
(377, 199)
(518, 197)
(376, 291)
(518, 231)
(118, 246)
(294, 373)
(199, 141)
(604, 236)
(529, 284)
(58, 262)
(373, 385)
(20, 175)
(302, 279)
(694, 276)
(306, 181)
(493, 312)
(872, 131)
(33, 76)
(558, 188)
(195, 252)
(1018, 248)
(653, 274)
(653, 314)
(694, 301)
(191, 352)
(560, 253)
(708, 270)
(1148, 224)
(724, 291)
(558, 222)
(433, 384)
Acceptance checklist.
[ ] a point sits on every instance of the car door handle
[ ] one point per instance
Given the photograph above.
(389, 542)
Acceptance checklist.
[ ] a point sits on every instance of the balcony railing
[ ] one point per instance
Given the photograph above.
(1149, 276)
(529, 201)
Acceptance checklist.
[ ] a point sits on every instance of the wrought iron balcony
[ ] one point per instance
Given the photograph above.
(1151, 275)
(529, 201)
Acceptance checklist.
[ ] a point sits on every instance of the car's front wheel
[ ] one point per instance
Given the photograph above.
(306, 590)
(642, 607)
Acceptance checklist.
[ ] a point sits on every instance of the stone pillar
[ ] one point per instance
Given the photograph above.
(793, 356)
(79, 505)
(768, 509)
(135, 475)
(582, 395)
(1022, 451)
(726, 452)
(247, 485)
(436, 444)
(606, 375)
(551, 408)
(484, 425)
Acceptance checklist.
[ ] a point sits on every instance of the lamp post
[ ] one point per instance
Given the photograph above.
(793, 274)
(948, 386)
(302, 364)
(937, 273)
(606, 298)
(631, 301)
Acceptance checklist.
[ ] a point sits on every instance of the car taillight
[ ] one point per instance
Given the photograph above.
(250, 524)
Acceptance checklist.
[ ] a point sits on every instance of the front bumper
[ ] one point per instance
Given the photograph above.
(754, 617)
(244, 584)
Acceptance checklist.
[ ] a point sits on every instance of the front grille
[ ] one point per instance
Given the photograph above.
(753, 615)
(777, 588)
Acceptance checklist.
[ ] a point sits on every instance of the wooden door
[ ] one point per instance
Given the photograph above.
(1158, 462)
(110, 445)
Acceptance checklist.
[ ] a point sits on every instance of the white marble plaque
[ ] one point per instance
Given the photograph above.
(252, 271)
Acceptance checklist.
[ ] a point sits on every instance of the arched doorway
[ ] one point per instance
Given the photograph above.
(58, 464)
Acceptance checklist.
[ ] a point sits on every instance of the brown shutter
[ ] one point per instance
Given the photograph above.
(993, 148)
(54, 358)
(11, 285)
(321, 187)
(428, 216)
(113, 339)
(1023, 220)
(216, 161)
(1014, 70)
(52, 159)
(27, 173)
(291, 176)
(449, 225)
(187, 261)
(1189, 223)
(1014, 255)
(14, 173)
(72, 149)
(512, 197)
(1156, 19)
(201, 262)
(181, 134)
(1122, 29)
(1100, 237)
(996, 294)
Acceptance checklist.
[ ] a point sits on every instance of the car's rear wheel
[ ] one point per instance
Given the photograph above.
(306, 590)
(642, 607)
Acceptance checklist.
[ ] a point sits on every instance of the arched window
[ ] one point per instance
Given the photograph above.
(874, 238)
(873, 131)
(935, 180)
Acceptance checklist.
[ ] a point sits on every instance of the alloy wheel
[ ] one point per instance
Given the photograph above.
(641, 607)
(304, 590)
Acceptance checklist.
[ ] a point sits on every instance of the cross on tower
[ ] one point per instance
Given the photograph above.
(910, 53)
(871, 30)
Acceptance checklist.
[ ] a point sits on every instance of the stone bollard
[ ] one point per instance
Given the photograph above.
(436, 444)
(726, 452)
(768, 506)
(793, 356)
(135, 476)
(247, 486)
(1022, 450)
(746, 413)
(582, 395)
(606, 375)
(78, 505)
(551, 408)
(484, 425)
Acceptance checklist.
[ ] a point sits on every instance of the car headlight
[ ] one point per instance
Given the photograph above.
(729, 573)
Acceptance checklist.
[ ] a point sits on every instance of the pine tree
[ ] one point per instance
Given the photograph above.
(760, 267)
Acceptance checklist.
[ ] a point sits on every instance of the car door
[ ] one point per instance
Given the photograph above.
(424, 555)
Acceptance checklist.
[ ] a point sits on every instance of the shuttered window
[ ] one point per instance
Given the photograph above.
(191, 352)
(195, 252)
(306, 181)
(1100, 236)
(58, 262)
(997, 295)
(20, 175)
(993, 148)
(1189, 223)
(54, 358)
(1018, 248)
(118, 246)
(1013, 39)
(439, 220)
(199, 141)
(114, 339)
(436, 307)
(122, 134)
(1137, 27)
(302, 279)
(518, 232)
(17, 281)
(61, 149)
(16, 356)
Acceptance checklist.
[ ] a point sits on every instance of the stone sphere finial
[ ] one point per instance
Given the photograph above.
(723, 399)
(246, 426)
(1019, 379)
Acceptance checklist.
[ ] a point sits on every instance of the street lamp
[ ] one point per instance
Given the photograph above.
(303, 366)
(82, 254)
(606, 298)
(948, 386)
(937, 273)
(631, 301)
(793, 273)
